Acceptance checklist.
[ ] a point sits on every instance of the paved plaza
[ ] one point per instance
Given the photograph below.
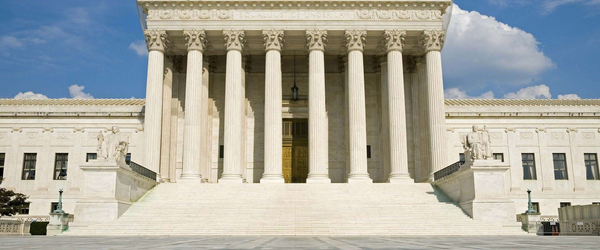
(265, 242)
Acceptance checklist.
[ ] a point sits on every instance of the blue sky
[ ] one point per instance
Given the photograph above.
(496, 48)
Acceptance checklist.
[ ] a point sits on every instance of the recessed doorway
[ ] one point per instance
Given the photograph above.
(295, 150)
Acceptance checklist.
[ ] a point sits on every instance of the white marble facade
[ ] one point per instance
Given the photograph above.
(220, 74)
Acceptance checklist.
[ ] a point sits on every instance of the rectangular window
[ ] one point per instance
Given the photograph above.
(29, 166)
(528, 166)
(2, 155)
(565, 204)
(591, 166)
(536, 207)
(60, 166)
(128, 159)
(461, 158)
(560, 166)
(91, 156)
(221, 151)
(53, 206)
(369, 151)
(24, 209)
(499, 156)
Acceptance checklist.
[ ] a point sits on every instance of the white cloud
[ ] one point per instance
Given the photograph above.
(455, 93)
(30, 95)
(76, 92)
(78, 15)
(10, 42)
(569, 97)
(139, 47)
(481, 50)
(533, 92)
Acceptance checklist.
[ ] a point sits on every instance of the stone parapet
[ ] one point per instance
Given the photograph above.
(110, 189)
(14, 227)
(479, 189)
(580, 220)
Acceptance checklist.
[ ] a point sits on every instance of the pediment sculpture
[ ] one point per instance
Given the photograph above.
(113, 145)
(477, 145)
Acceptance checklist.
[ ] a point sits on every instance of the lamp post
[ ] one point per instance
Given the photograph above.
(530, 207)
(59, 206)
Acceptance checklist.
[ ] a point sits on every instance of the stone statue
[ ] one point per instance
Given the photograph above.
(113, 146)
(477, 145)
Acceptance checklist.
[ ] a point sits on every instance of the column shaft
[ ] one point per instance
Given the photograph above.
(234, 106)
(165, 151)
(273, 121)
(435, 106)
(397, 117)
(425, 161)
(317, 120)
(205, 139)
(153, 110)
(192, 132)
(357, 118)
(385, 121)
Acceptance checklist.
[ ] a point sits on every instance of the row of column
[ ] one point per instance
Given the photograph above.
(393, 43)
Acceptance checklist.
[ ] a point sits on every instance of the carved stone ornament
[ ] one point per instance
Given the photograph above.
(355, 40)
(273, 39)
(316, 39)
(432, 40)
(234, 39)
(393, 40)
(156, 40)
(195, 39)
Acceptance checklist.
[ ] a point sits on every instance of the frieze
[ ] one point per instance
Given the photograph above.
(215, 14)
(589, 135)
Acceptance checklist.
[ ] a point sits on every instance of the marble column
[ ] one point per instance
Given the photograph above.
(273, 41)
(357, 120)
(414, 96)
(393, 42)
(192, 128)
(205, 130)
(234, 106)
(156, 41)
(424, 162)
(318, 158)
(432, 42)
(385, 121)
(165, 151)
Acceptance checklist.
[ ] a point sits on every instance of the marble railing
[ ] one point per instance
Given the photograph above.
(447, 171)
(14, 227)
(580, 220)
(143, 171)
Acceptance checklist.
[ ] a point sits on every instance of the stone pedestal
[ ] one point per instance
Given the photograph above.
(110, 189)
(478, 188)
(59, 222)
(531, 222)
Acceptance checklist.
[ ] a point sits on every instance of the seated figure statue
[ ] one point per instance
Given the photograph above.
(477, 145)
(113, 146)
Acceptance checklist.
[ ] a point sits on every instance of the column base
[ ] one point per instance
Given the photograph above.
(164, 180)
(318, 180)
(270, 180)
(400, 180)
(232, 179)
(360, 180)
(191, 176)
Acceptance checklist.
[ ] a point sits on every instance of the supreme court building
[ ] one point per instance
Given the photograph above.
(294, 91)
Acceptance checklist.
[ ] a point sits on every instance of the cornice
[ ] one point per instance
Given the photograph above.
(292, 10)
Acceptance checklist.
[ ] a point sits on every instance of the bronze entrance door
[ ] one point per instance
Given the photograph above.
(295, 150)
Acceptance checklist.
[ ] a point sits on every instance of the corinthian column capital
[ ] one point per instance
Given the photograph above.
(234, 39)
(355, 40)
(393, 40)
(273, 39)
(432, 40)
(156, 40)
(195, 39)
(316, 39)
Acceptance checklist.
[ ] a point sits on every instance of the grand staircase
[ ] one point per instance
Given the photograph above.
(295, 209)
